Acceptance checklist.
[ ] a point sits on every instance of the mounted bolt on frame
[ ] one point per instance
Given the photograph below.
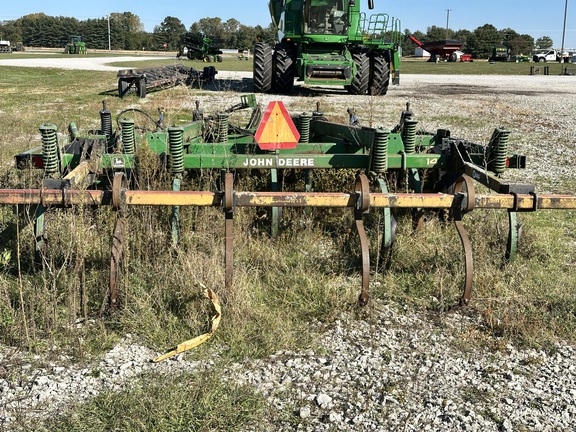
(329, 42)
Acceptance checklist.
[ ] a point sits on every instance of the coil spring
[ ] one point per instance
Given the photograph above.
(49, 147)
(223, 127)
(305, 119)
(73, 130)
(128, 139)
(498, 151)
(379, 160)
(409, 136)
(176, 144)
(106, 126)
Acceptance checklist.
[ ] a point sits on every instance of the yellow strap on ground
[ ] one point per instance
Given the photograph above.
(193, 343)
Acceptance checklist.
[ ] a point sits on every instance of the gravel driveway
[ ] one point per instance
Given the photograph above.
(72, 62)
(401, 371)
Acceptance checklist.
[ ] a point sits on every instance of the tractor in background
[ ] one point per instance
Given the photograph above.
(75, 46)
(197, 46)
(329, 42)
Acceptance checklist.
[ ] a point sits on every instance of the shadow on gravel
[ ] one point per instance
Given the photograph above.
(466, 89)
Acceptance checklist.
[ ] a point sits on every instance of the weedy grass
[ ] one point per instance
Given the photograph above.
(192, 402)
(309, 274)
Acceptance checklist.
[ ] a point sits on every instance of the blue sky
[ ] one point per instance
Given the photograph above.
(534, 17)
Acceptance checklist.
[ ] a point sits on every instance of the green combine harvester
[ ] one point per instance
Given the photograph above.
(329, 42)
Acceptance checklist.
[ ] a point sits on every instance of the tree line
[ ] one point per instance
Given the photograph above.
(125, 31)
(480, 41)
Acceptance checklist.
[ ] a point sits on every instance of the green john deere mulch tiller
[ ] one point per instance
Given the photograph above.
(439, 172)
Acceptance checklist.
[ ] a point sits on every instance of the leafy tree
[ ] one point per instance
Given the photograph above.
(436, 33)
(483, 39)
(96, 31)
(211, 27)
(544, 42)
(266, 34)
(12, 31)
(126, 31)
(168, 34)
(462, 35)
(246, 38)
(521, 44)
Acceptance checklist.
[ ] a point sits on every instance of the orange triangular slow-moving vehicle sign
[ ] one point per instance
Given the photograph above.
(276, 130)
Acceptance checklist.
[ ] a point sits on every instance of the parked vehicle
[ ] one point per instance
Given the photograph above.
(500, 53)
(551, 55)
(5, 46)
(520, 58)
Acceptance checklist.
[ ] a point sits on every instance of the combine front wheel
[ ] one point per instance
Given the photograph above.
(380, 76)
(284, 68)
(359, 84)
(262, 68)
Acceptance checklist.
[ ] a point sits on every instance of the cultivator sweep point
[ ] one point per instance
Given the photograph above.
(437, 171)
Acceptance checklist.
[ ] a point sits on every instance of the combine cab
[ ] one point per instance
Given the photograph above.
(329, 42)
(75, 46)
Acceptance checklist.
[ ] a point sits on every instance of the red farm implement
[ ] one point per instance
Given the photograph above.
(444, 50)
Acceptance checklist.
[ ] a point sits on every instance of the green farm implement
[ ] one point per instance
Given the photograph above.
(438, 171)
(156, 78)
(197, 46)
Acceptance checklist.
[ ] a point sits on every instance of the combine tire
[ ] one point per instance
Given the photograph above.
(262, 75)
(360, 82)
(284, 68)
(380, 76)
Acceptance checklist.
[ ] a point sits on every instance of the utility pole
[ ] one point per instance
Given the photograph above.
(109, 46)
(448, 21)
(563, 33)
